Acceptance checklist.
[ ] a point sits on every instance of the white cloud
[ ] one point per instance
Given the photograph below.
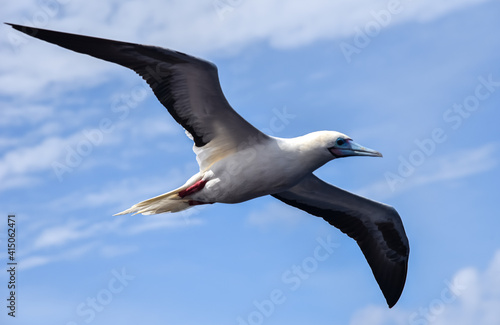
(34, 261)
(200, 28)
(19, 165)
(62, 234)
(471, 297)
(16, 164)
(460, 164)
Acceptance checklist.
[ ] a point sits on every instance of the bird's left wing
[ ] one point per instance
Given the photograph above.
(187, 86)
(376, 227)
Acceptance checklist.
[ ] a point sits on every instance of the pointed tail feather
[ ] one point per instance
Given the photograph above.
(168, 202)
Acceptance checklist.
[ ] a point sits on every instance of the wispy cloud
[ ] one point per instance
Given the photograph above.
(73, 230)
(37, 260)
(461, 164)
(17, 165)
(457, 165)
(74, 238)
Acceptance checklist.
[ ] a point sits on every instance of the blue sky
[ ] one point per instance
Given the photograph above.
(420, 83)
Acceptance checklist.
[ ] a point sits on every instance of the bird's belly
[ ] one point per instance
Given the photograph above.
(238, 179)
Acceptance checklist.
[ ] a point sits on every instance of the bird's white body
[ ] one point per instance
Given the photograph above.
(266, 168)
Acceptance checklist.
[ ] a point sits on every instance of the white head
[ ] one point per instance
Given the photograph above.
(315, 149)
(332, 144)
(340, 145)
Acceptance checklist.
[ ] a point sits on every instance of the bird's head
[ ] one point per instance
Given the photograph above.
(315, 149)
(340, 145)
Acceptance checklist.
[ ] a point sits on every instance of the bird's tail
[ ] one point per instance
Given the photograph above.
(168, 202)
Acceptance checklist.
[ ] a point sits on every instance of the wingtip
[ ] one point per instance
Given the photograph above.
(392, 300)
(392, 296)
(23, 29)
(28, 30)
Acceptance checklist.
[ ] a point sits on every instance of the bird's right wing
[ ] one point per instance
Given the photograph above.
(376, 227)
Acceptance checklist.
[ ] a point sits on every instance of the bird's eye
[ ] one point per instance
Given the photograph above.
(340, 142)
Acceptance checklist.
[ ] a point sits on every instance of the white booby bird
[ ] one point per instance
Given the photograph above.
(238, 162)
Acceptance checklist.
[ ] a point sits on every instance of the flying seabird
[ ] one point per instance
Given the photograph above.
(238, 162)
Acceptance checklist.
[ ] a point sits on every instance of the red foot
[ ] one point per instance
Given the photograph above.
(193, 189)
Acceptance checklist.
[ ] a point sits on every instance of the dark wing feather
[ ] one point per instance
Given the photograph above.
(187, 86)
(376, 227)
